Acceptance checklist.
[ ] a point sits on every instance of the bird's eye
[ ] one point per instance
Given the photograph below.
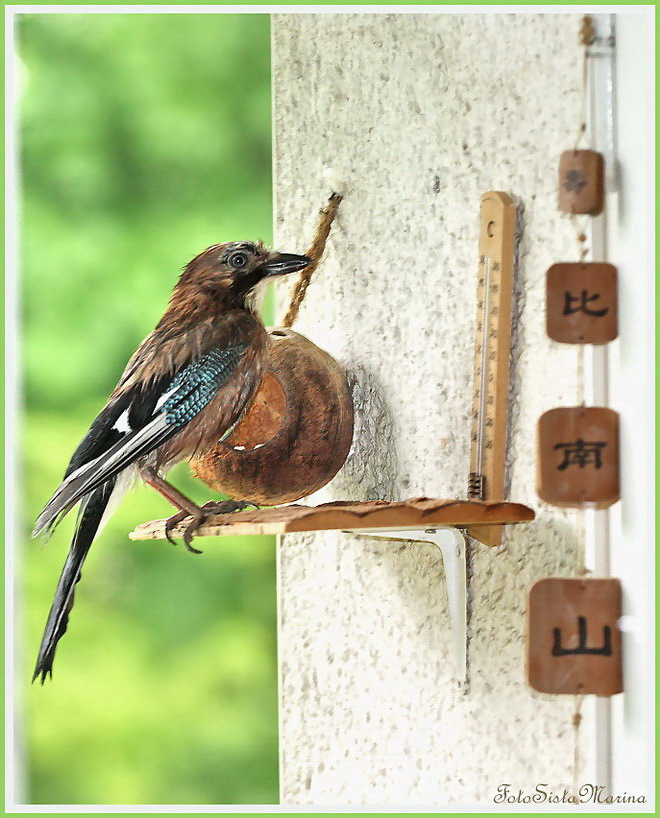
(238, 260)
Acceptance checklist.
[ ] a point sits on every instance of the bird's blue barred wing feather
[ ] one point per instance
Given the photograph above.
(173, 403)
(196, 385)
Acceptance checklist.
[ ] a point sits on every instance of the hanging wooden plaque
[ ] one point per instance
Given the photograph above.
(581, 303)
(578, 457)
(573, 638)
(581, 182)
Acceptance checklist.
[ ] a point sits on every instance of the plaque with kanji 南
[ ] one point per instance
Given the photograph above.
(573, 638)
(581, 303)
(578, 457)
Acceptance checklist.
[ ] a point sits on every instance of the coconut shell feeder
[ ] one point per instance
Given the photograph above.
(296, 434)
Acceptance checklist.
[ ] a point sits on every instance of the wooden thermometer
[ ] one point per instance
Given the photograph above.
(491, 358)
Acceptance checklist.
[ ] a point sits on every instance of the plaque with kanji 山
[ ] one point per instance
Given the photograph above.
(581, 303)
(573, 639)
(578, 457)
(581, 182)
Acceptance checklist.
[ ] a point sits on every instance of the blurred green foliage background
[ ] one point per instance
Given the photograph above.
(144, 139)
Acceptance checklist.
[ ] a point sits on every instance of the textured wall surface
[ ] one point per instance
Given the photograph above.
(418, 115)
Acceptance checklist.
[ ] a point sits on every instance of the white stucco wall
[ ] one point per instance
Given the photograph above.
(419, 115)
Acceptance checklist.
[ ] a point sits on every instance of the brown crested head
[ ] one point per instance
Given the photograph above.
(230, 272)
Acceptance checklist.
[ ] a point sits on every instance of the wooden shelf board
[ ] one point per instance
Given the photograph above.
(418, 512)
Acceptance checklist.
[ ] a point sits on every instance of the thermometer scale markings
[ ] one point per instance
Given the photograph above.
(486, 351)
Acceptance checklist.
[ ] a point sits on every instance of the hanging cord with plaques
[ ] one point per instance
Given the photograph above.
(587, 38)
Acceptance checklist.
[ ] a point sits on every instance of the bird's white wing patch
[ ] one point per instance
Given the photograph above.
(121, 424)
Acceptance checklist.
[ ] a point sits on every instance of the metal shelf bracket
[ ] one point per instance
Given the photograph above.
(452, 544)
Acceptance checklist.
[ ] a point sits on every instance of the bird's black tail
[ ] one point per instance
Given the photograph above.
(87, 525)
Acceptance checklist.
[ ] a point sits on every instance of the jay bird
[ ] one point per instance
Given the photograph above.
(184, 388)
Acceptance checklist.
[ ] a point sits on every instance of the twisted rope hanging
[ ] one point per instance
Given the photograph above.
(315, 253)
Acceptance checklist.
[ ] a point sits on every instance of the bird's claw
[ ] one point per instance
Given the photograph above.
(189, 532)
(227, 506)
(196, 520)
(172, 522)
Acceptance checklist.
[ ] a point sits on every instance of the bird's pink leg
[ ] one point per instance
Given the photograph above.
(169, 492)
(179, 500)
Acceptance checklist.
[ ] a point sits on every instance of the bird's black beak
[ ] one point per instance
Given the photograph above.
(284, 263)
